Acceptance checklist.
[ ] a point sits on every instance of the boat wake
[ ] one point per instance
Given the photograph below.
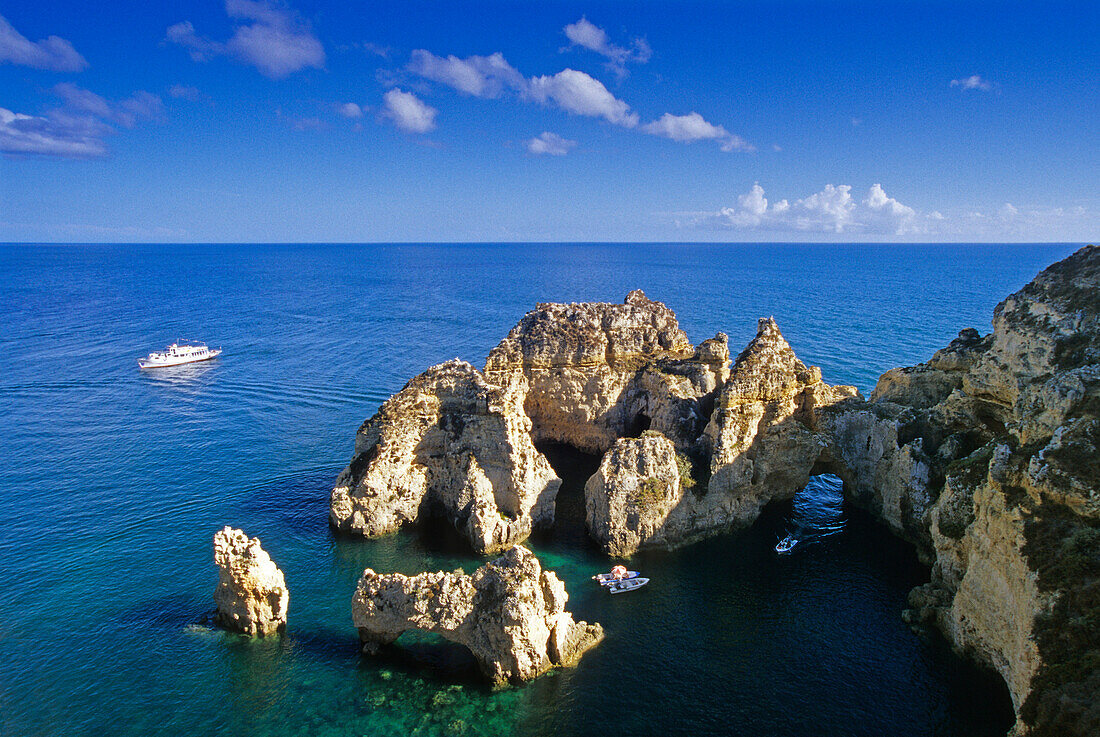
(817, 514)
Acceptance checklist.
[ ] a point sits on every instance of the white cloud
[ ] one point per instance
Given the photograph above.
(587, 35)
(973, 82)
(408, 112)
(569, 90)
(578, 93)
(832, 210)
(276, 41)
(692, 127)
(53, 53)
(480, 76)
(550, 143)
(141, 105)
(350, 110)
(78, 128)
(57, 134)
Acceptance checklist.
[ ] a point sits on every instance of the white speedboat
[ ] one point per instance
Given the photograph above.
(786, 545)
(606, 579)
(629, 584)
(180, 352)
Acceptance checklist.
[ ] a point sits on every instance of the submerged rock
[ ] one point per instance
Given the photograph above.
(251, 596)
(449, 443)
(510, 614)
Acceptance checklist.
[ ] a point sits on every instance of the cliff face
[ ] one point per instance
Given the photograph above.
(448, 443)
(987, 458)
(594, 372)
(251, 596)
(510, 614)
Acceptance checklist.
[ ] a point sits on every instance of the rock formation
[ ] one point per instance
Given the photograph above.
(510, 614)
(988, 458)
(594, 372)
(251, 596)
(448, 443)
(634, 497)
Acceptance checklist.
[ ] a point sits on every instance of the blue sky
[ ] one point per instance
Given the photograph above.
(238, 120)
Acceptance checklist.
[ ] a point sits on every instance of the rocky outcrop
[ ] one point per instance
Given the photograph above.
(636, 498)
(510, 614)
(762, 436)
(987, 457)
(452, 444)
(591, 373)
(251, 596)
(761, 443)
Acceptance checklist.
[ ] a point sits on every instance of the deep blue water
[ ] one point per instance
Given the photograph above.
(113, 482)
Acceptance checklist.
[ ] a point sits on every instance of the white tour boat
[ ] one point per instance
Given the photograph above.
(630, 584)
(786, 545)
(180, 352)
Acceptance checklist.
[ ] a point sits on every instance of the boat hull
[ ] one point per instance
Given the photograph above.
(177, 361)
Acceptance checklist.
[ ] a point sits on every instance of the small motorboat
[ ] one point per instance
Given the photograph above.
(619, 587)
(618, 573)
(786, 545)
(179, 353)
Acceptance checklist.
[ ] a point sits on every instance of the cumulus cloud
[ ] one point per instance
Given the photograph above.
(272, 38)
(350, 110)
(588, 35)
(408, 112)
(53, 54)
(78, 128)
(550, 143)
(973, 82)
(693, 127)
(55, 134)
(832, 210)
(578, 93)
(480, 76)
(570, 90)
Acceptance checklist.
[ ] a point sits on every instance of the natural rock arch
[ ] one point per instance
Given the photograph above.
(510, 614)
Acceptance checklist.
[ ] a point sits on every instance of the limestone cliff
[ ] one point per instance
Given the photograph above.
(510, 614)
(591, 373)
(987, 457)
(449, 443)
(251, 596)
(636, 498)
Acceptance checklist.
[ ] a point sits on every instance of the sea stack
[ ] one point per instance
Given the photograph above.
(251, 596)
(510, 614)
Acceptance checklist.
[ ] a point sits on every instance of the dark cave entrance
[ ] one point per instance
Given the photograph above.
(636, 426)
(573, 467)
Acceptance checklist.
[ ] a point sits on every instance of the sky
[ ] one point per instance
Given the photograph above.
(318, 121)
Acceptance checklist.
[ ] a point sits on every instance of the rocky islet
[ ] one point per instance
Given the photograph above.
(985, 458)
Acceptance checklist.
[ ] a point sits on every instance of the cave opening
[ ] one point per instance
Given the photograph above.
(573, 467)
(419, 653)
(637, 425)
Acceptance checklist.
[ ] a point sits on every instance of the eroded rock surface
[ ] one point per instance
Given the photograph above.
(251, 596)
(636, 498)
(510, 614)
(593, 372)
(449, 443)
(988, 458)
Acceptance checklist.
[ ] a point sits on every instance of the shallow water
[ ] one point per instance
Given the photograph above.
(113, 482)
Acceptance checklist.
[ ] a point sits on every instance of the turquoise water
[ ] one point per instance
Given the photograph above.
(113, 482)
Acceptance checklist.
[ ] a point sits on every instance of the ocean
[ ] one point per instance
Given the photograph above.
(113, 482)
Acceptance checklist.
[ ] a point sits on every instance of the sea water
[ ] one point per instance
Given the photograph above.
(113, 481)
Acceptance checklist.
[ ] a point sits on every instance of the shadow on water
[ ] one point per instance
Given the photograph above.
(574, 468)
